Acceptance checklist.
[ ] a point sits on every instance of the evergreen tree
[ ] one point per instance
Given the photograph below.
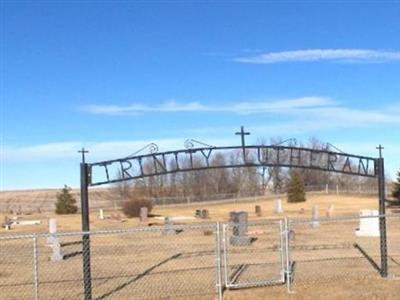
(396, 187)
(66, 203)
(296, 191)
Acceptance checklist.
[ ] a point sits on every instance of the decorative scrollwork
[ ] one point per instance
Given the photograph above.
(329, 145)
(190, 143)
(291, 141)
(152, 148)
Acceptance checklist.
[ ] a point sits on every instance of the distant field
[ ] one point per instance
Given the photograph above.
(30, 201)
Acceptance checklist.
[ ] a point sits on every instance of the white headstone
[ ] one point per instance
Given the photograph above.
(52, 226)
(56, 247)
(369, 223)
(315, 216)
(168, 227)
(53, 241)
(26, 222)
(278, 206)
(7, 223)
(101, 214)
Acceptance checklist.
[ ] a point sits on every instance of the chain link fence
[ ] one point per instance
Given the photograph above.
(142, 263)
(195, 261)
(329, 251)
(393, 248)
(256, 258)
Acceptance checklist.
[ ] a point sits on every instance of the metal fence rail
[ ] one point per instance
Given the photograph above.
(182, 261)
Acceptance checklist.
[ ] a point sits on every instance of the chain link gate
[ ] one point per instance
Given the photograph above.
(258, 259)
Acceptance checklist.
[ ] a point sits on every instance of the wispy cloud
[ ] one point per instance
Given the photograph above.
(238, 107)
(169, 106)
(320, 110)
(335, 55)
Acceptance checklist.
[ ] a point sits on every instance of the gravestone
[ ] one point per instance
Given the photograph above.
(329, 212)
(198, 213)
(369, 223)
(278, 206)
(292, 235)
(7, 223)
(53, 241)
(239, 229)
(101, 214)
(204, 214)
(144, 215)
(26, 222)
(168, 227)
(258, 210)
(52, 226)
(315, 216)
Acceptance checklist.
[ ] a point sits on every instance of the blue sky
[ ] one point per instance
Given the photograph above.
(114, 76)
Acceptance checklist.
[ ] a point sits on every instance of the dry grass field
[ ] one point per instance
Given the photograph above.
(344, 205)
(146, 264)
(31, 201)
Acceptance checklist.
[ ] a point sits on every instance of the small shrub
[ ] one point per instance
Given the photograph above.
(131, 208)
(396, 188)
(296, 192)
(66, 203)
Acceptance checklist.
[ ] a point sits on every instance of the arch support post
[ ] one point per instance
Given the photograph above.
(87, 277)
(382, 217)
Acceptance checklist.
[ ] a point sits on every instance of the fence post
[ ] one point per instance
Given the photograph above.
(288, 263)
(225, 249)
(87, 277)
(282, 233)
(218, 261)
(326, 189)
(382, 217)
(35, 267)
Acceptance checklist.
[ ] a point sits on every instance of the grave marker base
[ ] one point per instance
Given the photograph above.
(241, 240)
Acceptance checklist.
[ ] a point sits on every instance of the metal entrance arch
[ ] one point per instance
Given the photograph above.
(204, 157)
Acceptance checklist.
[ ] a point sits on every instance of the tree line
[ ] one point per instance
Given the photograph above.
(237, 182)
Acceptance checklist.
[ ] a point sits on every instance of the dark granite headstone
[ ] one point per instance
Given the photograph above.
(197, 214)
(258, 210)
(204, 214)
(239, 229)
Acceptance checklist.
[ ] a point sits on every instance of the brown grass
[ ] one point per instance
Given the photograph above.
(343, 205)
(186, 261)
